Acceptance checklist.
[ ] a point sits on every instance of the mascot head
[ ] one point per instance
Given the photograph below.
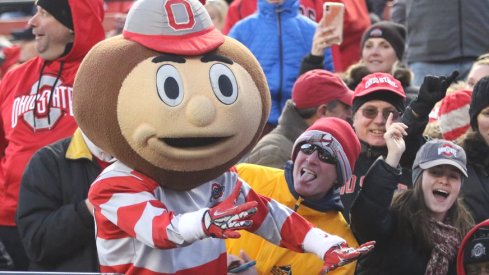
(172, 97)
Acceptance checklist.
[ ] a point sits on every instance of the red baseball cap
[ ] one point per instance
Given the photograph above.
(317, 87)
(379, 82)
(172, 26)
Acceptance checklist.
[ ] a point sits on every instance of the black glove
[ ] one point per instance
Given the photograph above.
(432, 90)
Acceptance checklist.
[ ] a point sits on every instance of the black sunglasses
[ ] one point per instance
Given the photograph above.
(372, 112)
(323, 155)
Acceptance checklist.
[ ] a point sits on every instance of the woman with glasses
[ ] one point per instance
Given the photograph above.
(476, 144)
(378, 95)
(419, 230)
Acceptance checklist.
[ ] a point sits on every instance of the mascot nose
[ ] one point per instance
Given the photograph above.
(200, 111)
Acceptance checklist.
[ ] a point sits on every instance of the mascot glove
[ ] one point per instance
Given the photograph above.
(341, 255)
(432, 90)
(222, 220)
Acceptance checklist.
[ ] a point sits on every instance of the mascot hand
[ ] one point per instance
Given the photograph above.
(222, 220)
(342, 254)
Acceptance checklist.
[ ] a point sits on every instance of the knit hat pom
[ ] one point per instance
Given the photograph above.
(453, 115)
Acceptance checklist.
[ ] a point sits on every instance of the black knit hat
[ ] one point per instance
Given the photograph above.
(394, 33)
(59, 9)
(480, 100)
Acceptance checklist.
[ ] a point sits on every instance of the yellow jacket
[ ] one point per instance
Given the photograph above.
(271, 259)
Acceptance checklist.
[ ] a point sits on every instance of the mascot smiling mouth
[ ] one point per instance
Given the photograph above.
(193, 141)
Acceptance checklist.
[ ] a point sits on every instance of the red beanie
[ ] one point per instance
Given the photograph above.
(172, 26)
(453, 115)
(338, 138)
(317, 87)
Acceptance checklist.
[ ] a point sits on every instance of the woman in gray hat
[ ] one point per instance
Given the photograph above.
(418, 231)
(476, 191)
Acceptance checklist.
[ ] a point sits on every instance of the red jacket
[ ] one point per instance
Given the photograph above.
(24, 128)
(356, 21)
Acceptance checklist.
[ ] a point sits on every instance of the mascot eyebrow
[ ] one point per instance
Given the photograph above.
(180, 59)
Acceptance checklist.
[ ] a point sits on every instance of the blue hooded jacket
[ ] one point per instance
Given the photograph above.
(279, 37)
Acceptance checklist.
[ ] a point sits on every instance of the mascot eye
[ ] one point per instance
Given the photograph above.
(223, 83)
(169, 85)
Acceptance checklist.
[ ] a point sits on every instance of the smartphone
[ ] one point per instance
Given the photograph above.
(242, 267)
(333, 14)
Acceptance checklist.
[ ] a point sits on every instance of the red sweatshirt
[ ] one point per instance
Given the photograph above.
(35, 103)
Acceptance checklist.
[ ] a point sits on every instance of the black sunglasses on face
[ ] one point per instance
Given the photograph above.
(323, 155)
(372, 112)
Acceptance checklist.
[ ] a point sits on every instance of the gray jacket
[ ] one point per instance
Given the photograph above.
(275, 148)
(443, 30)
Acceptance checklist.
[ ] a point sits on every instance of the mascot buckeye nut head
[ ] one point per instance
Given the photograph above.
(172, 98)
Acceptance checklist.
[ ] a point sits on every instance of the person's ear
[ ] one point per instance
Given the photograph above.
(321, 110)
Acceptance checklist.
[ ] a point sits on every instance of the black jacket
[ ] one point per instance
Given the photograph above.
(475, 190)
(371, 219)
(55, 226)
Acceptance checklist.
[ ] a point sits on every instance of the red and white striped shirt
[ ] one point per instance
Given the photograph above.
(139, 229)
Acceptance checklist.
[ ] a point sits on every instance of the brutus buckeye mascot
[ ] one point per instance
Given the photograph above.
(177, 103)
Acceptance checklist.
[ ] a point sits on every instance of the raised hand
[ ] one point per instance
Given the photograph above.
(432, 90)
(222, 220)
(341, 255)
(323, 38)
(394, 141)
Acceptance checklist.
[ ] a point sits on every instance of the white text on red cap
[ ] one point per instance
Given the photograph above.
(376, 80)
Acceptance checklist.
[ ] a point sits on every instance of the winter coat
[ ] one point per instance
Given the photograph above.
(356, 21)
(279, 37)
(27, 126)
(475, 189)
(457, 29)
(372, 219)
(55, 225)
(275, 148)
(324, 213)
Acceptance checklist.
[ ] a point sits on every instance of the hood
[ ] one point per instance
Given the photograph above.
(465, 243)
(289, 8)
(88, 16)
(331, 201)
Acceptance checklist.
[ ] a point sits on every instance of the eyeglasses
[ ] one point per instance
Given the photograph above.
(323, 155)
(372, 112)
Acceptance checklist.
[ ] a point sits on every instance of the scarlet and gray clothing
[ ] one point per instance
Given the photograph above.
(275, 148)
(457, 29)
(54, 223)
(325, 213)
(371, 219)
(475, 189)
(35, 103)
(142, 228)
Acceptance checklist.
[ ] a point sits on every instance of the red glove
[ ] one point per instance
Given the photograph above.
(222, 220)
(342, 254)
